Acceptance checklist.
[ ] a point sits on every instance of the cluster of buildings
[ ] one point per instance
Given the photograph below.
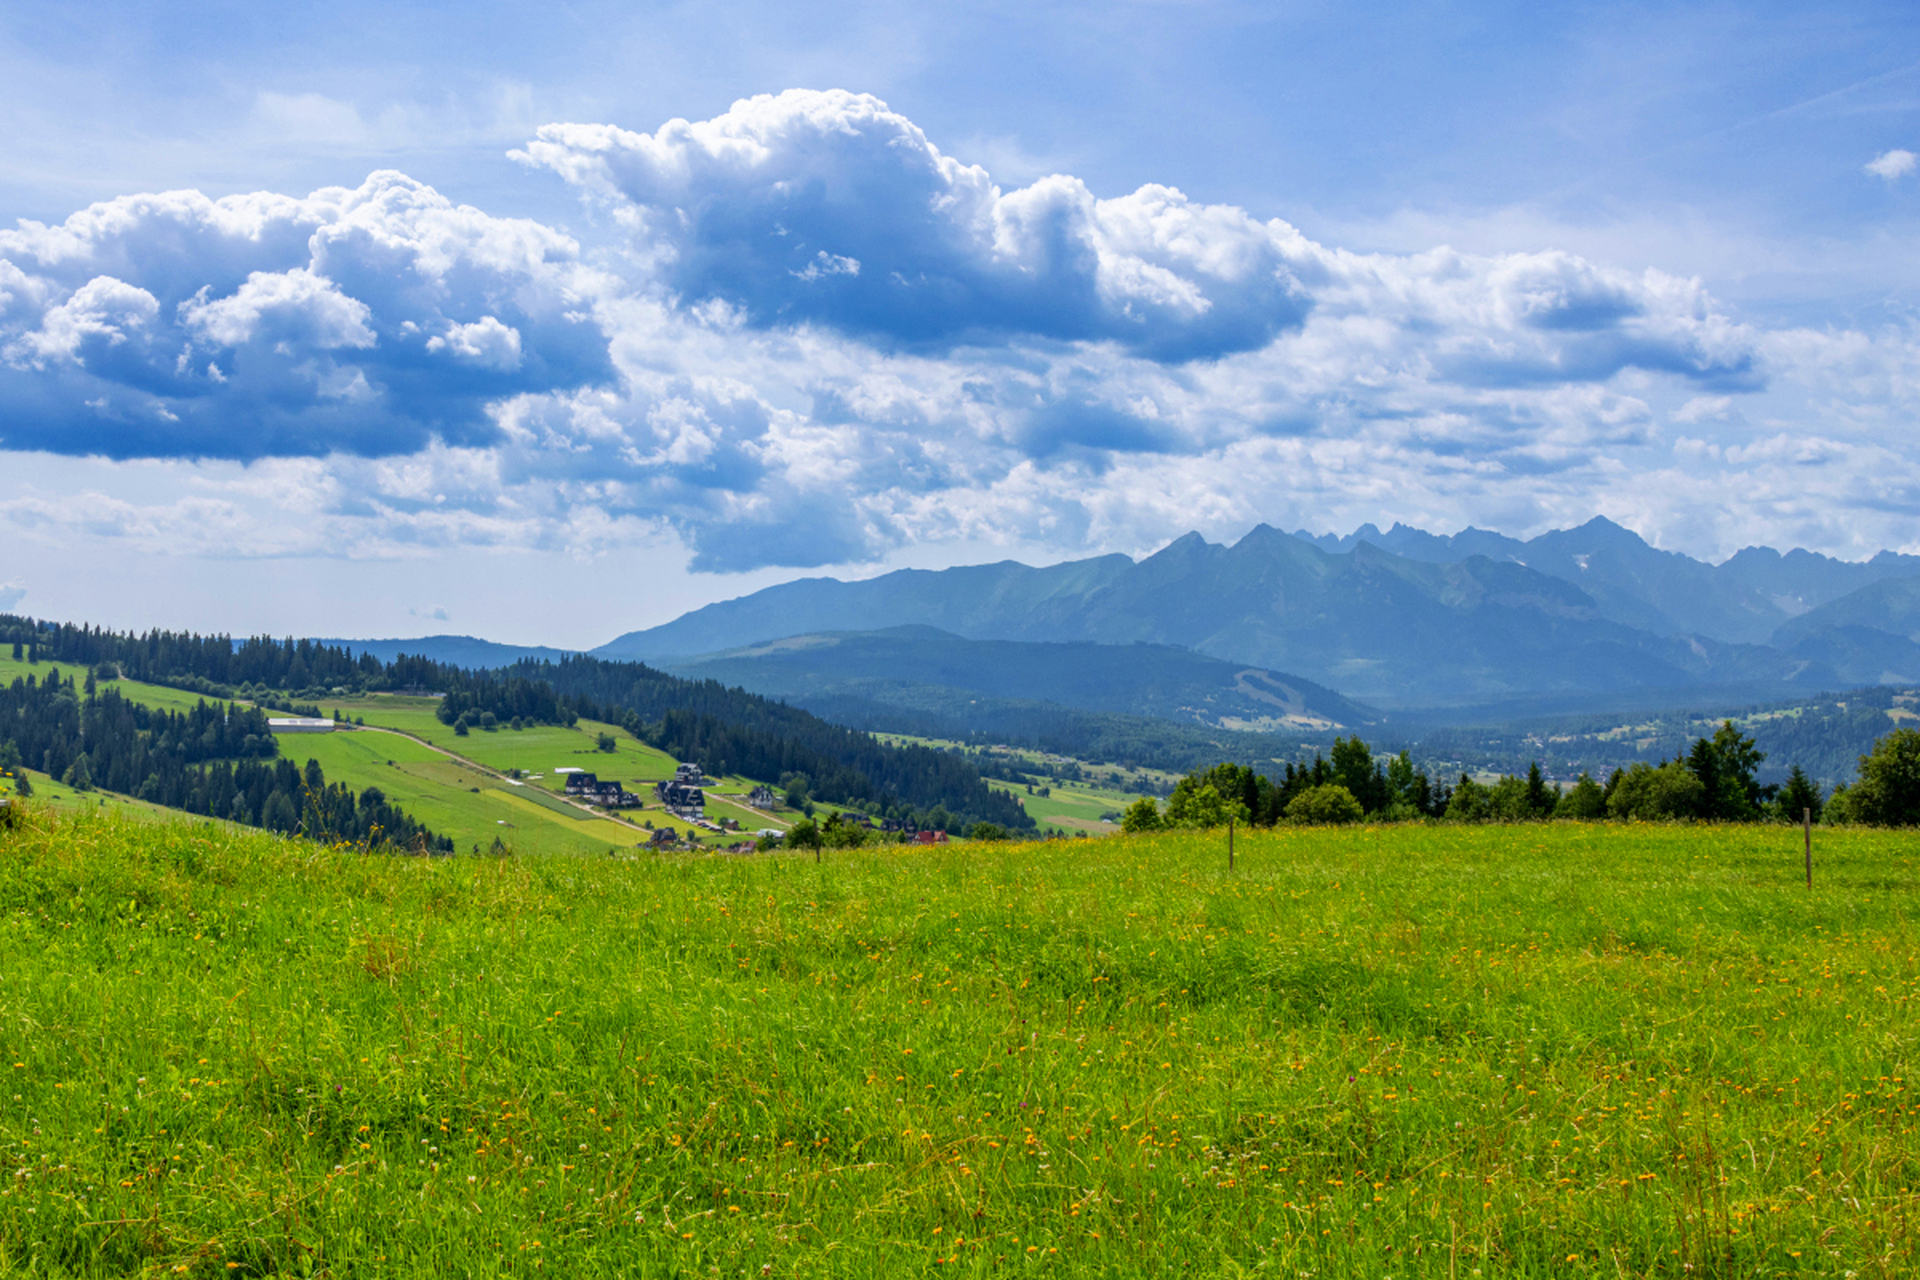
(681, 795)
(582, 785)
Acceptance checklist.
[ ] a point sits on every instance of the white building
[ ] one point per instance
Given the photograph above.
(300, 724)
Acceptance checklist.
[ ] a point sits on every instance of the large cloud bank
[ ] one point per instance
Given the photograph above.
(806, 336)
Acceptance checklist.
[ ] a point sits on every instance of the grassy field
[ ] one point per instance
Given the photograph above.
(1541, 1051)
(1072, 807)
(539, 822)
(58, 795)
(540, 749)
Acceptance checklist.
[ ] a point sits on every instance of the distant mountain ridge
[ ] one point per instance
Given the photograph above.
(928, 669)
(1399, 618)
(1743, 600)
(457, 651)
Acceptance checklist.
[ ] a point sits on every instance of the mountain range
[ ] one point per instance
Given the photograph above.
(1427, 620)
(1398, 619)
(935, 671)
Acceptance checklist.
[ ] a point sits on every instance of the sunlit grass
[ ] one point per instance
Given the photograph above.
(1407, 1051)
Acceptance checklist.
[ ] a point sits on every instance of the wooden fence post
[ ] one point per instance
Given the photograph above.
(1229, 844)
(1806, 830)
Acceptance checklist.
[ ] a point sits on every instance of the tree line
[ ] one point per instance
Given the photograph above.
(1713, 780)
(164, 657)
(214, 760)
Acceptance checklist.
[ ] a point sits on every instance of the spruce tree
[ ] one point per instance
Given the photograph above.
(1799, 795)
(79, 776)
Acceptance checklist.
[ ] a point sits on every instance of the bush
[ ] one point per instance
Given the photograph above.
(1329, 804)
(1649, 794)
(1142, 815)
(1585, 802)
(1200, 804)
(1888, 792)
(986, 831)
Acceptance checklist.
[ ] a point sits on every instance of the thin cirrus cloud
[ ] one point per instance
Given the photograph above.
(805, 336)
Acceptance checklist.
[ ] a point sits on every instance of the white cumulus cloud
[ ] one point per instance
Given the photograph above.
(1892, 165)
(807, 336)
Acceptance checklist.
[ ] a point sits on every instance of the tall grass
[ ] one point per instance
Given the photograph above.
(1537, 1050)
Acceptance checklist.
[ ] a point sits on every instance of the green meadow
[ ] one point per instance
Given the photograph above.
(1548, 1050)
(1073, 806)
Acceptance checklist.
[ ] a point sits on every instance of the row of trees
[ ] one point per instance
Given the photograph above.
(1713, 781)
(166, 656)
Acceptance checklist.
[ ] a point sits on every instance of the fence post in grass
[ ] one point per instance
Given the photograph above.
(1806, 830)
(1229, 844)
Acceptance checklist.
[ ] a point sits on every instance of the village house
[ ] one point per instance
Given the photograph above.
(681, 799)
(763, 797)
(582, 785)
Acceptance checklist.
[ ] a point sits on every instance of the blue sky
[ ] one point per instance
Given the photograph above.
(547, 322)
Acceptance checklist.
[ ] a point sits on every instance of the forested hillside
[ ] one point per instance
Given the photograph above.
(213, 760)
(725, 730)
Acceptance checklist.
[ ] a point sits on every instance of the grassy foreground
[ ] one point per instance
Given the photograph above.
(1551, 1050)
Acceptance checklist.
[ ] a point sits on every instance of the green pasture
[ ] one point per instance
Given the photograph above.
(531, 817)
(537, 749)
(1550, 1050)
(454, 799)
(1072, 807)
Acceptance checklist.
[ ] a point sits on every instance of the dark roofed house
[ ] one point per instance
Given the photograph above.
(680, 797)
(609, 795)
(762, 797)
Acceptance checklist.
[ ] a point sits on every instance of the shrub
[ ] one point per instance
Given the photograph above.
(1585, 802)
(1646, 793)
(1888, 792)
(1329, 804)
(1142, 815)
(1200, 804)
